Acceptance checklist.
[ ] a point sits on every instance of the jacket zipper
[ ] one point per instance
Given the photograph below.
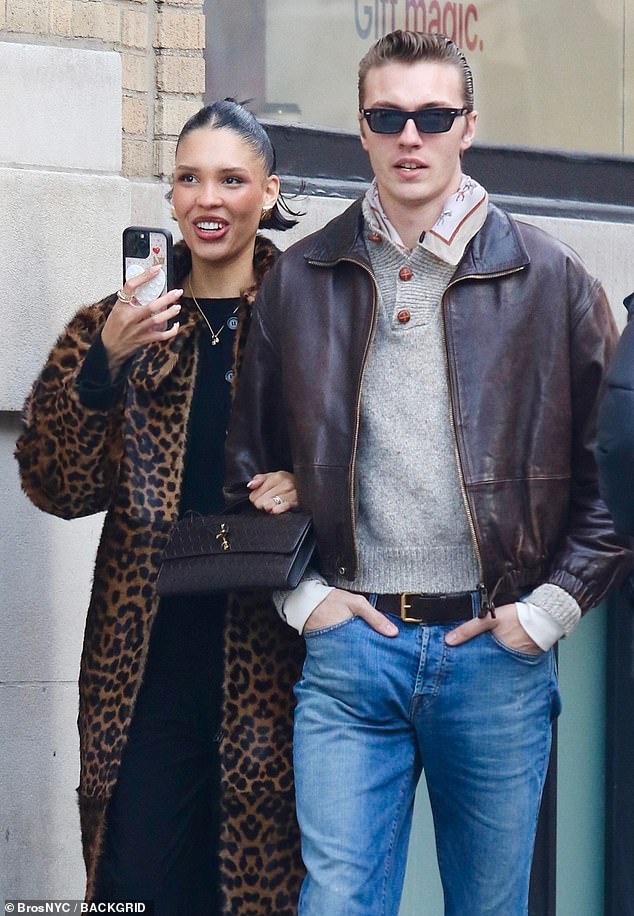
(486, 600)
(355, 439)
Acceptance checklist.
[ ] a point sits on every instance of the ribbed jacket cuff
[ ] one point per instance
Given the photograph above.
(561, 606)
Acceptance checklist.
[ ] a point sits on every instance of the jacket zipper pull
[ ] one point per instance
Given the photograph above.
(486, 604)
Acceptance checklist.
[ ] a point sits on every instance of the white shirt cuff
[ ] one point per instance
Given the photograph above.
(296, 606)
(543, 629)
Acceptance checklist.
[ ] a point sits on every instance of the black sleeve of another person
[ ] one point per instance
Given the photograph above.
(615, 434)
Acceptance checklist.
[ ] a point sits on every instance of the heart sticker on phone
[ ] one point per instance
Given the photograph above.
(156, 249)
(149, 291)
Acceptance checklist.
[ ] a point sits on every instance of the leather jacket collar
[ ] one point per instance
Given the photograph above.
(496, 249)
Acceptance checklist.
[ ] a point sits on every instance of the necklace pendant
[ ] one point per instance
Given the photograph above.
(215, 340)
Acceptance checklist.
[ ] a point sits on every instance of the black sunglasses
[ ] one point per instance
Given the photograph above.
(427, 120)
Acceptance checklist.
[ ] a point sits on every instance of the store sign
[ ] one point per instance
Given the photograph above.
(457, 20)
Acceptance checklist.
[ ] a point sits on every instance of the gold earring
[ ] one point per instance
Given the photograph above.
(173, 214)
(266, 214)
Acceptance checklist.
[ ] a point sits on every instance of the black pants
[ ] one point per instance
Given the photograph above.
(161, 842)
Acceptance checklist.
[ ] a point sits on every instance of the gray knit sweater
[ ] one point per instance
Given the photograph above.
(413, 532)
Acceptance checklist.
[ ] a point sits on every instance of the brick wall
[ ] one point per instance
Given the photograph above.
(161, 44)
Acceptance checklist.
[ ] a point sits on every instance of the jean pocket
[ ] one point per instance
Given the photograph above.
(530, 658)
(323, 631)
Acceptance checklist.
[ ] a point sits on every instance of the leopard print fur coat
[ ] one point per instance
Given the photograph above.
(128, 462)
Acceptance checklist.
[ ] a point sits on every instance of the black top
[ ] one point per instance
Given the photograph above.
(204, 469)
(615, 431)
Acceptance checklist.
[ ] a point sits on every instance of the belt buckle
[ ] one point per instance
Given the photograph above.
(405, 608)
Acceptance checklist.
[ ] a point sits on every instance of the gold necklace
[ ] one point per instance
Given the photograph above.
(215, 335)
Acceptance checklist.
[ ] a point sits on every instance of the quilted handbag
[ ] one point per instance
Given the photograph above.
(234, 552)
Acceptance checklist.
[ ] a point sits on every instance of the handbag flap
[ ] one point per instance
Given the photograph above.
(249, 532)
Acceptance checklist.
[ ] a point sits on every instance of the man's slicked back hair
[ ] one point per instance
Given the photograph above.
(410, 47)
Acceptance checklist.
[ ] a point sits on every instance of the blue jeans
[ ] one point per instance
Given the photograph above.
(372, 713)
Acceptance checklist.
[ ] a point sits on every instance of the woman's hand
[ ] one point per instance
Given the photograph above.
(130, 325)
(274, 492)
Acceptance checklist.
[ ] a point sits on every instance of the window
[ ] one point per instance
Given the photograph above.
(549, 74)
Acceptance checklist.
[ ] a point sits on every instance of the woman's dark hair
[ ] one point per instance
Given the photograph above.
(230, 114)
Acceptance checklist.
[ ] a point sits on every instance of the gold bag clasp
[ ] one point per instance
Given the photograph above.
(222, 536)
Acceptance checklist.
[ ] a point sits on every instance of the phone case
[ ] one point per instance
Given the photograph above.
(143, 247)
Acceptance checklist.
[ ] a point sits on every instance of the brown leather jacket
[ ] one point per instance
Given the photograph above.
(528, 336)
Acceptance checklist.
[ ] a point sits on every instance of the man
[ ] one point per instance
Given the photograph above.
(429, 369)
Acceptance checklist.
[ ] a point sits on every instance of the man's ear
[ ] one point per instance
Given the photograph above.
(469, 130)
(362, 129)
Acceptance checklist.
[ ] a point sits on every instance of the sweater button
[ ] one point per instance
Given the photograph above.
(406, 273)
(342, 570)
(403, 316)
(374, 237)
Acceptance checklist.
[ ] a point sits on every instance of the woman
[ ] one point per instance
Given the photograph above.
(129, 415)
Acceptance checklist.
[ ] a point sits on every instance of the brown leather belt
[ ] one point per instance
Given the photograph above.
(430, 609)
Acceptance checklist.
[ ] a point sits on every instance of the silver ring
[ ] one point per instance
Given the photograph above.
(278, 500)
(123, 297)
